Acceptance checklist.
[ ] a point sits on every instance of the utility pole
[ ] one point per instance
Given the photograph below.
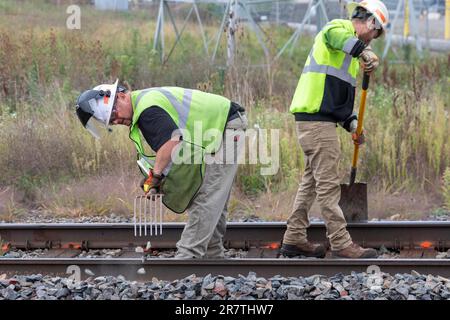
(231, 48)
(447, 19)
(406, 20)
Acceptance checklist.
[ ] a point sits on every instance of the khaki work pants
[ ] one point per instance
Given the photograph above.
(203, 234)
(320, 181)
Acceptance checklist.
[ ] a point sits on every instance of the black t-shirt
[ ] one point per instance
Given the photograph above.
(157, 126)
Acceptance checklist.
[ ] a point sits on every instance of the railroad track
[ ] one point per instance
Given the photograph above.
(395, 235)
(262, 239)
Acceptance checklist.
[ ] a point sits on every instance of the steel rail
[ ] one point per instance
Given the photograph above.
(171, 269)
(397, 235)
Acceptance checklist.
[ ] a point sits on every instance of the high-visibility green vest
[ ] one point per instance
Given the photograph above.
(329, 56)
(188, 109)
(195, 113)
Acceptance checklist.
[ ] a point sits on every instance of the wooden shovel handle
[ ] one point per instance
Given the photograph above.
(359, 128)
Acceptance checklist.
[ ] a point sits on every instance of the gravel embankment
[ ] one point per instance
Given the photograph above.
(111, 253)
(356, 286)
(39, 217)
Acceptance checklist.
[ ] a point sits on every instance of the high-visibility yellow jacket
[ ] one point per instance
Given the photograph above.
(326, 89)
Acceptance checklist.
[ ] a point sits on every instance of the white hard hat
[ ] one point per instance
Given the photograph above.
(95, 107)
(375, 7)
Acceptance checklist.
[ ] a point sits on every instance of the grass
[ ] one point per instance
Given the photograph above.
(446, 188)
(50, 163)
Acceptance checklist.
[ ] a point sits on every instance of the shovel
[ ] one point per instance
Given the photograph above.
(354, 195)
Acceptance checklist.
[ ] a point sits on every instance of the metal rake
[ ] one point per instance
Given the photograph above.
(148, 215)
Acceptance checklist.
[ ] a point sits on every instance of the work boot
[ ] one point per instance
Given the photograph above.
(354, 251)
(183, 256)
(307, 249)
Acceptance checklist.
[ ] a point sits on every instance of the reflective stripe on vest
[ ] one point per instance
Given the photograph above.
(349, 44)
(341, 73)
(182, 108)
(186, 107)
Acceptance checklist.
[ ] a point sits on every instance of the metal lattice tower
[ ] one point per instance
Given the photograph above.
(406, 6)
(234, 11)
(321, 11)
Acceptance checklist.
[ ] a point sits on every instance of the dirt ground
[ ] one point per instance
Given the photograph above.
(90, 199)
(382, 205)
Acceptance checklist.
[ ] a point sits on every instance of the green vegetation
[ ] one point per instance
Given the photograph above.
(46, 156)
(446, 188)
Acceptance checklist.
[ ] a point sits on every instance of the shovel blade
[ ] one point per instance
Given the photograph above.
(354, 202)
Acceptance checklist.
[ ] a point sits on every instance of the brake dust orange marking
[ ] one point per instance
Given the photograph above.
(71, 245)
(426, 245)
(273, 246)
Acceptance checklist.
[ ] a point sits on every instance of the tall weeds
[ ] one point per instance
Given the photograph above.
(42, 70)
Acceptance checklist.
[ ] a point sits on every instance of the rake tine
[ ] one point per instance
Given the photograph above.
(145, 218)
(155, 221)
(155, 215)
(150, 214)
(135, 221)
(152, 205)
(140, 216)
(160, 215)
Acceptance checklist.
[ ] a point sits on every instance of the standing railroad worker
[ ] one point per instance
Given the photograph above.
(324, 97)
(169, 117)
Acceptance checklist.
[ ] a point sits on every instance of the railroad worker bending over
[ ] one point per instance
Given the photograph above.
(324, 97)
(170, 118)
